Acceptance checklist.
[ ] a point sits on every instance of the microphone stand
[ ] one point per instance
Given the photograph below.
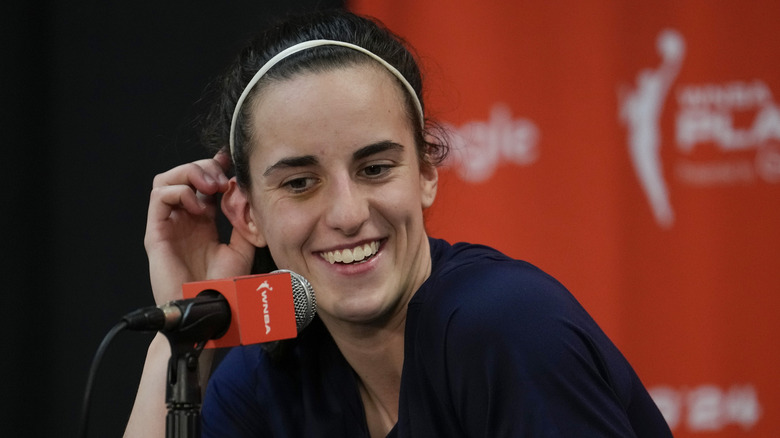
(208, 320)
(182, 395)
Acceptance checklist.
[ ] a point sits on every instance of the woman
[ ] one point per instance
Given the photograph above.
(334, 166)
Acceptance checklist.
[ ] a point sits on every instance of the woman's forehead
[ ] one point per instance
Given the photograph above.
(359, 72)
(344, 107)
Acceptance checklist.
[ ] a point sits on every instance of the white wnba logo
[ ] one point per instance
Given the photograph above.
(266, 316)
(640, 110)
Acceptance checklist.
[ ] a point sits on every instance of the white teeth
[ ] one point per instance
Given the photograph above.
(355, 254)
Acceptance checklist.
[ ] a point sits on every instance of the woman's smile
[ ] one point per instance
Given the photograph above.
(356, 254)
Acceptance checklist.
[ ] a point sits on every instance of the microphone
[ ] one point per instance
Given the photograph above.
(234, 311)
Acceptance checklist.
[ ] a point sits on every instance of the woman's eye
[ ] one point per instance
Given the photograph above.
(375, 170)
(299, 185)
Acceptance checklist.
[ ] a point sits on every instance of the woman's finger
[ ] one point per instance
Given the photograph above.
(165, 199)
(224, 159)
(206, 176)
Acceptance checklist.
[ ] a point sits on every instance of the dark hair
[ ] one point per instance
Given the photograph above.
(334, 25)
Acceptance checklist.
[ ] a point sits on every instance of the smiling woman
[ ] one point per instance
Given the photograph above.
(333, 168)
(335, 165)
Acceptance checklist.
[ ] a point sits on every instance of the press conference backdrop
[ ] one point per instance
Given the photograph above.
(629, 148)
(632, 150)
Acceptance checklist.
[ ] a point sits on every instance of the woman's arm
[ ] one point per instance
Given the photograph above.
(182, 244)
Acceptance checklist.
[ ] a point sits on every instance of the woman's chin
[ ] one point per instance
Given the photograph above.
(360, 311)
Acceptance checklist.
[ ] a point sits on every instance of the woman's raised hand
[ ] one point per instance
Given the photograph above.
(181, 238)
(183, 245)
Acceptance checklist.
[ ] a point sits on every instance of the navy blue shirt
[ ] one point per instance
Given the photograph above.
(494, 347)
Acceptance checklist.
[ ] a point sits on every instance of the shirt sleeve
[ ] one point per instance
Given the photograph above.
(523, 358)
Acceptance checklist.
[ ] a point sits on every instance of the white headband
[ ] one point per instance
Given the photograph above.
(307, 45)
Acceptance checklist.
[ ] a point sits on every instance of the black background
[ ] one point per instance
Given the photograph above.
(96, 97)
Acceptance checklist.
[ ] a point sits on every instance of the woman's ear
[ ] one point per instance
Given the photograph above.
(429, 183)
(235, 205)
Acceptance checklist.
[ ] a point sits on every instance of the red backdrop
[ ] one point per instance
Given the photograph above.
(632, 150)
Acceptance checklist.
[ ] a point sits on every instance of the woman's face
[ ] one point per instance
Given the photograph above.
(338, 191)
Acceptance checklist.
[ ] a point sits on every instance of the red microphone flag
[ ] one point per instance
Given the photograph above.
(261, 306)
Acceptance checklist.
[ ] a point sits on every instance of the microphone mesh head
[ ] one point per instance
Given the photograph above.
(303, 298)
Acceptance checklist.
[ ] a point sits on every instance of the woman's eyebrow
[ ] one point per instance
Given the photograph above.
(284, 163)
(375, 148)
(311, 160)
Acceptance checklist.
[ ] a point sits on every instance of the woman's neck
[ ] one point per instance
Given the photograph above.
(376, 355)
(375, 351)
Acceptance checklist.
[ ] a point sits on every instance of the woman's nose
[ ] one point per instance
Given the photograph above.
(347, 207)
